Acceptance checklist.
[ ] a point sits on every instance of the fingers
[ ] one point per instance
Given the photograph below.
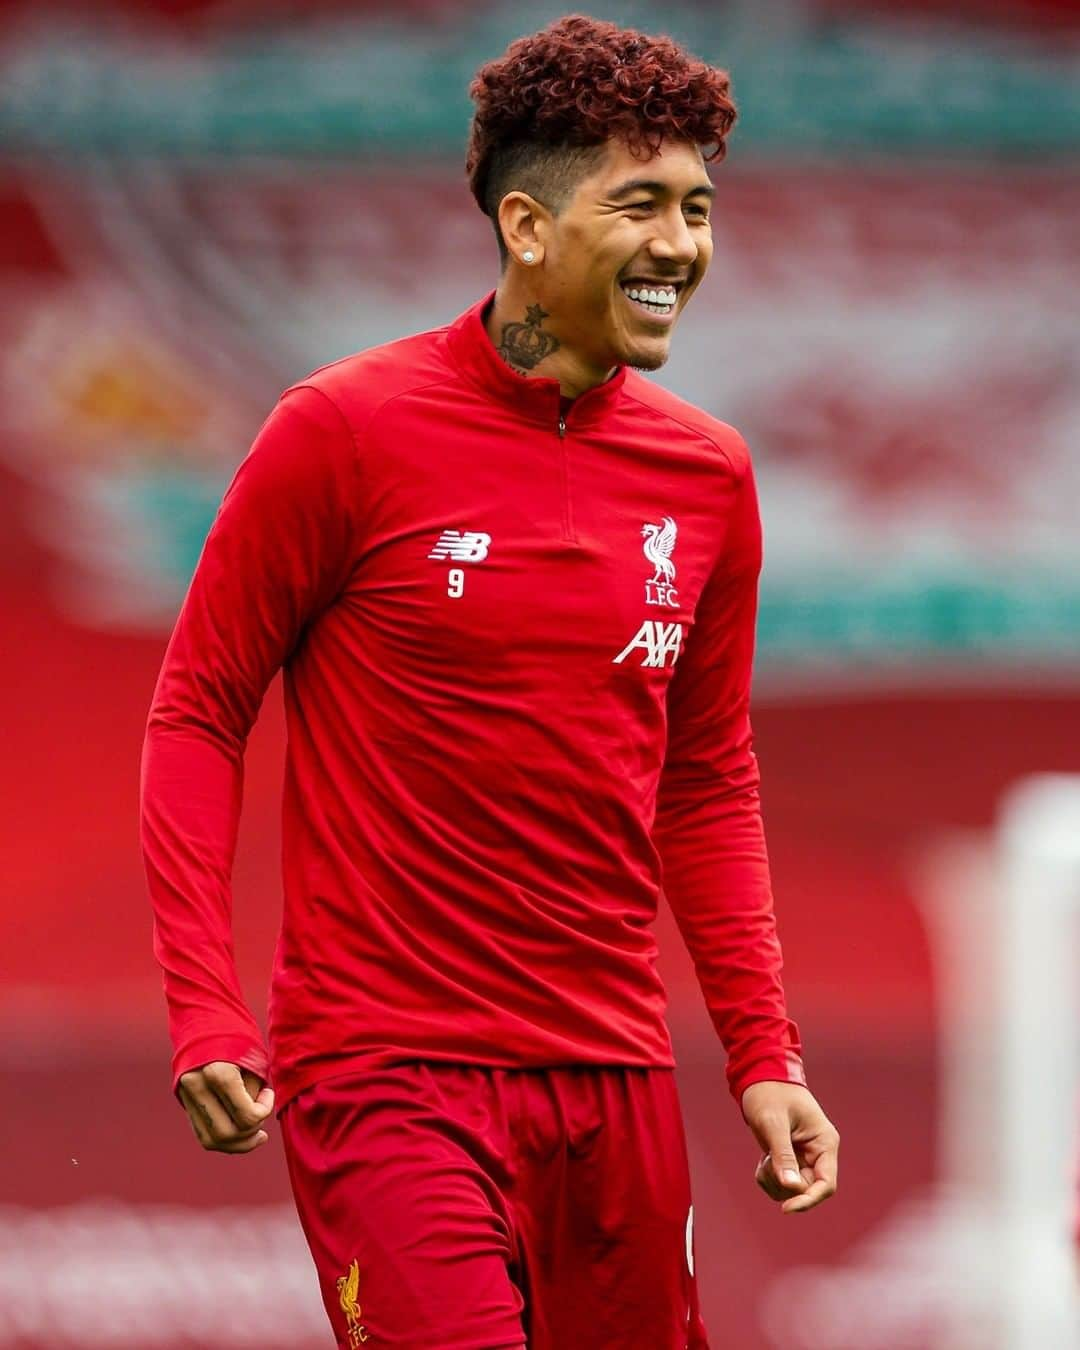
(227, 1083)
(206, 1112)
(778, 1183)
(215, 1142)
(824, 1176)
(799, 1167)
(814, 1195)
(226, 1107)
(778, 1172)
(262, 1094)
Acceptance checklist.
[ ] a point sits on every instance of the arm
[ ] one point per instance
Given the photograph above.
(277, 554)
(709, 834)
(708, 826)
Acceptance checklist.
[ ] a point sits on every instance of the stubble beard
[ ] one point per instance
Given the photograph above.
(642, 360)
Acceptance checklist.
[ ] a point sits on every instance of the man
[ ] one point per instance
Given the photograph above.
(512, 585)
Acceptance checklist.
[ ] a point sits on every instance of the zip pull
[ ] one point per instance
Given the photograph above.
(562, 426)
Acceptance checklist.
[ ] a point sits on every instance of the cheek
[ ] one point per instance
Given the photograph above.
(578, 272)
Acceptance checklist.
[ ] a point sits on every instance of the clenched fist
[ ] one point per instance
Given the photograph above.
(226, 1106)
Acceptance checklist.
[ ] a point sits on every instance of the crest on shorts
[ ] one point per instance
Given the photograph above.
(348, 1287)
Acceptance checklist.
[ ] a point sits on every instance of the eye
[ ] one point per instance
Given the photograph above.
(702, 212)
(640, 206)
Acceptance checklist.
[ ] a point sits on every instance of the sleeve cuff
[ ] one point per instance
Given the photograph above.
(239, 1050)
(784, 1067)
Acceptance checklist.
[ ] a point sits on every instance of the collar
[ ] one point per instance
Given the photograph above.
(539, 399)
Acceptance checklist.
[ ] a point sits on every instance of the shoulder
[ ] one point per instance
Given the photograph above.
(361, 384)
(723, 439)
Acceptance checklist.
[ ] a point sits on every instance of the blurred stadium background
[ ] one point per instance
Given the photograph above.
(200, 200)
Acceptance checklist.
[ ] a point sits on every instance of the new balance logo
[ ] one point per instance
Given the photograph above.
(462, 545)
(657, 640)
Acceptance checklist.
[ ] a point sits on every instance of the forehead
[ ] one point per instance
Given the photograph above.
(678, 165)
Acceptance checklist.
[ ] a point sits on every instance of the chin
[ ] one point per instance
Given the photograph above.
(647, 358)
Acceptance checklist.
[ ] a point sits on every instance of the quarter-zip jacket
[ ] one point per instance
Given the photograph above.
(517, 646)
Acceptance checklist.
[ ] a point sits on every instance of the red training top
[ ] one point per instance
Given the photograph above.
(517, 650)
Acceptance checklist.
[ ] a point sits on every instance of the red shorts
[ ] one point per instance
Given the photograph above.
(453, 1207)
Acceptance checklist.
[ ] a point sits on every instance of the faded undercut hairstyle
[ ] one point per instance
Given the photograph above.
(546, 108)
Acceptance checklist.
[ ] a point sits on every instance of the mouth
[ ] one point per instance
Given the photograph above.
(656, 299)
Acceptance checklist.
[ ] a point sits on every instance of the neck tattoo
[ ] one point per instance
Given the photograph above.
(523, 345)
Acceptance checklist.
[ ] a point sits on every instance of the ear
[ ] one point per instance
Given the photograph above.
(525, 224)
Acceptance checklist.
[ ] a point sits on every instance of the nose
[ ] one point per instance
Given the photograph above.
(673, 240)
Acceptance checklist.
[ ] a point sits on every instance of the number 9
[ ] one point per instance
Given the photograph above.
(456, 581)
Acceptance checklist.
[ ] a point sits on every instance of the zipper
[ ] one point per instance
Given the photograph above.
(569, 534)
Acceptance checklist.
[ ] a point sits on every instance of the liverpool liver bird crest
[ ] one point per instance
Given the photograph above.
(659, 544)
(348, 1287)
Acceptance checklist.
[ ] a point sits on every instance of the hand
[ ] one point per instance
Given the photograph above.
(226, 1106)
(800, 1142)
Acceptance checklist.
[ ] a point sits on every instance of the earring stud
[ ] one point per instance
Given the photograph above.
(528, 256)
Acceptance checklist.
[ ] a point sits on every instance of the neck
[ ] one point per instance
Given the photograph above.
(529, 340)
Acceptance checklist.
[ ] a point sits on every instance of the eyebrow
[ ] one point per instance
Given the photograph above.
(658, 189)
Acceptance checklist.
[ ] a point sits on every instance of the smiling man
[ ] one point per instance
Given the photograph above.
(512, 585)
(603, 273)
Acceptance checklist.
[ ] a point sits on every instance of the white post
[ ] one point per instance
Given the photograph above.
(1039, 1063)
(987, 1260)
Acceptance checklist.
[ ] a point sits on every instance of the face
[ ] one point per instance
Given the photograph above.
(633, 227)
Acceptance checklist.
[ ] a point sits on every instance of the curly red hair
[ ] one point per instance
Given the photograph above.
(577, 84)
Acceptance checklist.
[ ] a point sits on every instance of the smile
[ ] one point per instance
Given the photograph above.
(656, 301)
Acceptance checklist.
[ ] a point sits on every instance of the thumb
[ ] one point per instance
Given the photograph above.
(782, 1158)
(261, 1094)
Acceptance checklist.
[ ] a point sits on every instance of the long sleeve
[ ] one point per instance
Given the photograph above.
(708, 827)
(277, 554)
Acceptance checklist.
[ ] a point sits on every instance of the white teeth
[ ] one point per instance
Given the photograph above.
(661, 300)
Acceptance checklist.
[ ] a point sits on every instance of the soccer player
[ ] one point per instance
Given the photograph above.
(512, 586)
